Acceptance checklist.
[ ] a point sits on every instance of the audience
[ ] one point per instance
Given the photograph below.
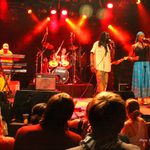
(135, 127)
(37, 112)
(106, 114)
(6, 143)
(52, 132)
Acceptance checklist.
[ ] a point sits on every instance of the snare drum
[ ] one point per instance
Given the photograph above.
(62, 74)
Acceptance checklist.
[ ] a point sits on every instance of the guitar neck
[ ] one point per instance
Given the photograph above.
(119, 61)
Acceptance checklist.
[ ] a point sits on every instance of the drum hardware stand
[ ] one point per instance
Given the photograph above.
(74, 56)
(39, 55)
(40, 52)
(80, 65)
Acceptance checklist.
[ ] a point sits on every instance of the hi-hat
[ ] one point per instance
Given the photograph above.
(73, 47)
(48, 46)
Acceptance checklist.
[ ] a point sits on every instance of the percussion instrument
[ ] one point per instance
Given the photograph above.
(64, 61)
(48, 46)
(54, 62)
(73, 47)
(59, 61)
(62, 74)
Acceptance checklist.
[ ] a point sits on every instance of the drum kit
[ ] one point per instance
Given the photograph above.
(58, 64)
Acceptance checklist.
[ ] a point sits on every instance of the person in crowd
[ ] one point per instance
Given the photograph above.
(101, 56)
(6, 143)
(140, 54)
(37, 112)
(106, 114)
(135, 127)
(52, 132)
(3, 77)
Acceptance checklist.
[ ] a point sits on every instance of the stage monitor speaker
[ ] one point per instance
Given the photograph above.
(125, 94)
(45, 82)
(26, 99)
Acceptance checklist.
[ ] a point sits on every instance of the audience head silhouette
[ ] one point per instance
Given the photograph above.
(37, 112)
(132, 108)
(106, 114)
(59, 110)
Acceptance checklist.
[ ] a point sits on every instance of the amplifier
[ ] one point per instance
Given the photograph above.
(45, 82)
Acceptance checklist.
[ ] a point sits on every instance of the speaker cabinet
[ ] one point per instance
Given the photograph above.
(26, 99)
(125, 94)
(45, 82)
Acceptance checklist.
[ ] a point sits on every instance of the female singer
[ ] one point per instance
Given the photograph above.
(141, 69)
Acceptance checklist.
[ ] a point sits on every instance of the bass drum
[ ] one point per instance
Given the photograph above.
(62, 74)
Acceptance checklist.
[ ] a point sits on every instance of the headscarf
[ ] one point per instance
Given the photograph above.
(138, 34)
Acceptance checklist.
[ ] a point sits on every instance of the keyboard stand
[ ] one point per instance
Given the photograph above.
(6, 84)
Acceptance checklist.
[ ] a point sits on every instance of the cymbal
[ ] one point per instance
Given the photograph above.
(48, 46)
(73, 47)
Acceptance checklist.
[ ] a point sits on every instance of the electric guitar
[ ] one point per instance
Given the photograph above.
(120, 60)
(125, 58)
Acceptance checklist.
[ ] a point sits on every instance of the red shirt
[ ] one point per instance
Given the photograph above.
(6, 143)
(34, 137)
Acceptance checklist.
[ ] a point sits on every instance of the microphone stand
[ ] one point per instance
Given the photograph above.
(44, 39)
(74, 55)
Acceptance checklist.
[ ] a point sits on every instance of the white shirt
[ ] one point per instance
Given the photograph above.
(102, 58)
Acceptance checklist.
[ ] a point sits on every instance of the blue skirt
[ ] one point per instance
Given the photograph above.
(141, 79)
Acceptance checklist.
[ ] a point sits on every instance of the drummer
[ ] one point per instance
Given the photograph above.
(64, 58)
(63, 54)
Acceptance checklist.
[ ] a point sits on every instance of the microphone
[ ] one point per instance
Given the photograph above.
(146, 39)
(110, 40)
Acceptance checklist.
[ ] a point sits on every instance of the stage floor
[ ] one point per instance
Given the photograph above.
(81, 104)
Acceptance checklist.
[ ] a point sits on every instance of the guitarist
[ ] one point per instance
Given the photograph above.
(101, 56)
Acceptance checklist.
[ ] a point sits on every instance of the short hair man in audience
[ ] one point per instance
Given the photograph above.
(52, 132)
(106, 114)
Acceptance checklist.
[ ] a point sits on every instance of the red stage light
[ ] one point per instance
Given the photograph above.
(110, 5)
(64, 12)
(138, 1)
(53, 11)
(29, 11)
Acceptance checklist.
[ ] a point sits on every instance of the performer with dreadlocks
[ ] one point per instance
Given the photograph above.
(101, 56)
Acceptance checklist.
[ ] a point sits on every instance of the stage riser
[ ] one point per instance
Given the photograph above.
(77, 90)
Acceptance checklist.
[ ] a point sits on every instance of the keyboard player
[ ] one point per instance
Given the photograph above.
(5, 78)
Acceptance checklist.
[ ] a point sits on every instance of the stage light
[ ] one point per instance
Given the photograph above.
(110, 5)
(48, 18)
(29, 11)
(82, 20)
(138, 1)
(53, 11)
(86, 10)
(64, 12)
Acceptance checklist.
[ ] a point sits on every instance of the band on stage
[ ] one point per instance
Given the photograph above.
(66, 62)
